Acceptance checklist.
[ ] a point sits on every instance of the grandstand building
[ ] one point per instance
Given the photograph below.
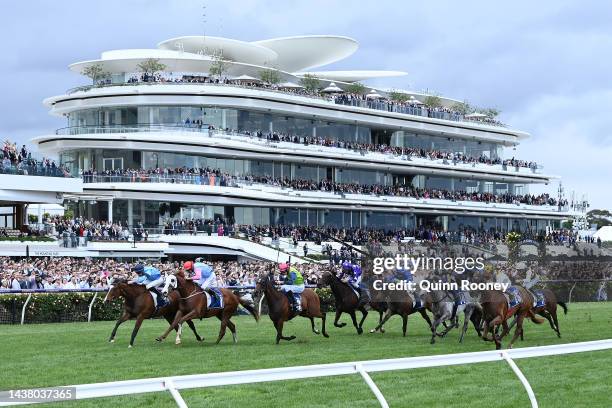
(257, 133)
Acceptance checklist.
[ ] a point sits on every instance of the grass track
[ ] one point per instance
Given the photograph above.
(60, 354)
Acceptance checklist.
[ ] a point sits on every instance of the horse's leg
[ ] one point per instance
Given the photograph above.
(193, 329)
(556, 322)
(232, 328)
(312, 325)
(338, 314)
(404, 324)
(279, 332)
(174, 324)
(354, 319)
(364, 314)
(518, 330)
(139, 320)
(125, 316)
(323, 317)
(434, 328)
(380, 317)
(426, 317)
(466, 320)
(388, 315)
(224, 321)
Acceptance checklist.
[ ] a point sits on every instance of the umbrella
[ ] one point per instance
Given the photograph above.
(373, 94)
(289, 85)
(332, 88)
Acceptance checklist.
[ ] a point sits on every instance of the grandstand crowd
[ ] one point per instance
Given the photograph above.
(82, 273)
(207, 176)
(15, 160)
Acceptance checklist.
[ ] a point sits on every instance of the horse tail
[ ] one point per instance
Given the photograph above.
(564, 306)
(247, 302)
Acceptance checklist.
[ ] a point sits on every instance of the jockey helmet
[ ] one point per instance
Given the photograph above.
(199, 259)
(346, 265)
(188, 266)
(138, 268)
(283, 267)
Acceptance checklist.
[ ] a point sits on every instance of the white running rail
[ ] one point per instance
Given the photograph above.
(174, 384)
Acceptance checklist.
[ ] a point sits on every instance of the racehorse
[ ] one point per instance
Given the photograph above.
(280, 310)
(442, 303)
(404, 309)
(548, 310)
(139, 305)
(347, 300)
(496, 311)
(193, 304)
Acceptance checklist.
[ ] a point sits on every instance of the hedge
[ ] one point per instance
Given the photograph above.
(74, 307)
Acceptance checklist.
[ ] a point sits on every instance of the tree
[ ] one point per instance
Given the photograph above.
(433, 101)
(491, 112)
(95, 72)
(601, 218)
(355, 88)
(151, 66)
(310, 83)
(270, 76)
(219, 65)
(463, 108)
(399, 97)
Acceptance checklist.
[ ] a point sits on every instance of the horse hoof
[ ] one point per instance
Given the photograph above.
(159, 339)
(382, 331)
(510, 346)
(177, 342)
(291, 338)
(130, 346)
(433, 341)
(111, 341)
(326, 335)
(372, 331)
(360, 331)
(315, 331)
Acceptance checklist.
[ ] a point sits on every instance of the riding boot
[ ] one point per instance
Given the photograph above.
(292, 302)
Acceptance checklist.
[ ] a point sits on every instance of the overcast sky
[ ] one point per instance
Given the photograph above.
(547, 65)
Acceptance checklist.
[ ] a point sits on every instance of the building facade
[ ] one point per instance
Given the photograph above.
(213, 128)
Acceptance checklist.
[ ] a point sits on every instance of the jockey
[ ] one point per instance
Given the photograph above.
(203, 274)
(293, 284)
(151, 278)
(355, 278)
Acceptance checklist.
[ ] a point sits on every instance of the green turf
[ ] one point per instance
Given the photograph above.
(61, 354)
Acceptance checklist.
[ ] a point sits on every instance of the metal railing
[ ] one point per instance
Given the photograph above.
(176, 383)
(301, 145)
(372, 104)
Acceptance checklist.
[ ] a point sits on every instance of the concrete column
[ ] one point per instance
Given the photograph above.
(130, 213)
(110, 211)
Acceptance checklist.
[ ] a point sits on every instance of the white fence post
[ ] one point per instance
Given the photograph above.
(90, 307)
(24, 308)
(519, 374)
(169, 384)
(372, 385)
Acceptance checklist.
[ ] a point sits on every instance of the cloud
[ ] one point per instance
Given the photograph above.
(544, 64)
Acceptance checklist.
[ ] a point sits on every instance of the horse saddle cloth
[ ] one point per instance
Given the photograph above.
(540, 300)
(417, 304)
(513, 297)
(295, 299)
(214, 298)
(157, 302)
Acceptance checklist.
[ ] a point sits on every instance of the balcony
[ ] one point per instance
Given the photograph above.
(381, 104)
(381, 154)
